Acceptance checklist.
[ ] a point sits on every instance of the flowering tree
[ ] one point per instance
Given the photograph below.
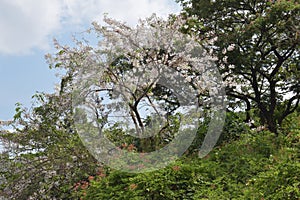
(257, 45)
(149, 81)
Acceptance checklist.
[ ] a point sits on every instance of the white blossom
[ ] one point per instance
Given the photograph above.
(188, 79)
(224, 51)
(225, 59)
(231, 47)
(153, 47)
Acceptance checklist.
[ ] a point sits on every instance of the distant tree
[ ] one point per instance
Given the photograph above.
(257, 45)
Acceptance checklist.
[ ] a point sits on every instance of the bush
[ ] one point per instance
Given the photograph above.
(259, 165)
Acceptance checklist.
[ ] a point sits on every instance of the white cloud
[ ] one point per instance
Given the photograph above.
(26, 24)
(125, 10)
(31, 24)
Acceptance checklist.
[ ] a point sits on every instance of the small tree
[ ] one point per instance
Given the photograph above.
(257, 44)
(43, 157)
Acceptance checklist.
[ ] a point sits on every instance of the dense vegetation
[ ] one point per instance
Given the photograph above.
(255, 46)
(246, 164)
(258, 165)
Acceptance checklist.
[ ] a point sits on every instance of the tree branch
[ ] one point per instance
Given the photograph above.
(289, 109)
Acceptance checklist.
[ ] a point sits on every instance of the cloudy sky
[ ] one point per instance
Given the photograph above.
(27, 31)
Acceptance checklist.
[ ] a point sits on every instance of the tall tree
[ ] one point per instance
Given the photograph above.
(257, 43)
(152, 67)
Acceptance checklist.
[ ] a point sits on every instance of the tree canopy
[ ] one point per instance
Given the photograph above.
(257, 45)
(146, 80)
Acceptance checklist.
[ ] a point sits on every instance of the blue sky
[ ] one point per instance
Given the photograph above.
(29, 26)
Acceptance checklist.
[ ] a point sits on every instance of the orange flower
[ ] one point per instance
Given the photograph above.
(133, 186)
(176, 168)
(101, 174)
(76, 186)
(84, 185)
(130, 147)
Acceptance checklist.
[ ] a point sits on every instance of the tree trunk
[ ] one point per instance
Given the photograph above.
(271, 124)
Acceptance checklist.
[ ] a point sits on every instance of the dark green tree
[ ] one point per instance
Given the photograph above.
(257, 45)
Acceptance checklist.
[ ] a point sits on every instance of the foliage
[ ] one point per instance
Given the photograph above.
(233, 128)
(43, 155)
(257, 166)
(257, 45)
